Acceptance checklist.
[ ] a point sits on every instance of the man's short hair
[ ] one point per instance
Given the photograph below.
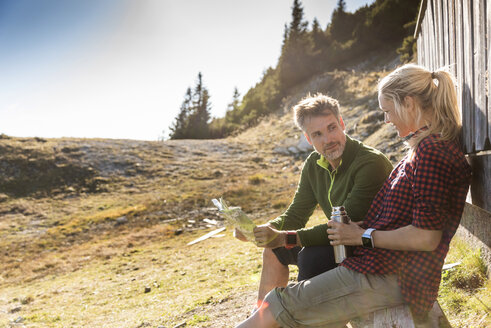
(316, 105)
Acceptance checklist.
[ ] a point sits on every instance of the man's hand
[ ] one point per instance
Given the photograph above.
(268, 237)
(345, 234)
(239, 235)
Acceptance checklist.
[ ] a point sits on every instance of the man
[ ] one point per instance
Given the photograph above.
(341, 171)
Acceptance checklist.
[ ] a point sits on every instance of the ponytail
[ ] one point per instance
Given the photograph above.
(435, 96)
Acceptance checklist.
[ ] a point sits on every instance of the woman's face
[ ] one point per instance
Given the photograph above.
(390, 116)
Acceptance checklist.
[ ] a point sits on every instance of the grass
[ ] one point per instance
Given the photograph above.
(112, 291)
(465, 290)
(66, 263)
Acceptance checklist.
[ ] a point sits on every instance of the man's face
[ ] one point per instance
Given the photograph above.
(327, 136)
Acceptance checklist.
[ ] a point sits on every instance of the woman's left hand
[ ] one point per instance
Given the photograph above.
(345, 234)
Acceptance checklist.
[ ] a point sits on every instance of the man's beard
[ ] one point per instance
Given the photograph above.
(335, 154)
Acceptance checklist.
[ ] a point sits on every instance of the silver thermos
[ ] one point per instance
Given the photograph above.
(338, 214)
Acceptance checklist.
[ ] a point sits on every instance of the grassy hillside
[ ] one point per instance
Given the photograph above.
(94, 232)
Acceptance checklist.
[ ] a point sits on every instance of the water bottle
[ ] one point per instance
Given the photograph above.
(338, 214)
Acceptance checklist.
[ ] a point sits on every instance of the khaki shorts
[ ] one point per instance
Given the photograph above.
(333, 298)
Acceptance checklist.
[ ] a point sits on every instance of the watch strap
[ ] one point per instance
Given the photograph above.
(366, 238)
(291, 239)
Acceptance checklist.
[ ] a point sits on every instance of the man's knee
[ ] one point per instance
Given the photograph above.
(313, 261)
(270, 258)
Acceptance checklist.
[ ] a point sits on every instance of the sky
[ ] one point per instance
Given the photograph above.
(120, 68)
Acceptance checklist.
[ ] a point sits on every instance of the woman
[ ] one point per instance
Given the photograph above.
(406, 234)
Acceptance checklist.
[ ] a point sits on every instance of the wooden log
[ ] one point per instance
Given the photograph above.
(400, 317)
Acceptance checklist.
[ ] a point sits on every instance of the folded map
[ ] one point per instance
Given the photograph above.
(236, 217)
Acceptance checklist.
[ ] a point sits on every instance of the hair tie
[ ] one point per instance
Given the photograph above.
(433, 75)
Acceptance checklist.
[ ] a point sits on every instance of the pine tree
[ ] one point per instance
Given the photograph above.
(341, 23)
(192, 122)
(317, 35)
(179, 127)
(298, 26)
(294, 64)
(234, 105)
(200, 111)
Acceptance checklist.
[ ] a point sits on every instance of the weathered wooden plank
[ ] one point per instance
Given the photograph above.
(468, 90)
(420, 45)
(481, 181)
(431, 36)
(459, 29)
(480, 119)
(423, 60)
(446, 33)
(488, 75)
(427, 30)
(440, 46)
(452, 36)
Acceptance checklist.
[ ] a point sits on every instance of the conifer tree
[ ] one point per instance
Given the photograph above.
(200, 112)
(342, 24)
(192, 122)
(234, 105)
(294, 64)
(317, 35)
(179, 127)
(298, 26)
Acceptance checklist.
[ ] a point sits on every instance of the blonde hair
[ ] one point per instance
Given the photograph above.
(434, 94)
(316, 105)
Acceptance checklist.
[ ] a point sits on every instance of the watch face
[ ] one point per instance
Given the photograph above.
(367, 242)
(291, 239)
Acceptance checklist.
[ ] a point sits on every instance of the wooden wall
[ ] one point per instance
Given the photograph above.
(457, 34)
(454, 33)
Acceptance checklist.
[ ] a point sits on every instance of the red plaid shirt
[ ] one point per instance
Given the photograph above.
(428, 191)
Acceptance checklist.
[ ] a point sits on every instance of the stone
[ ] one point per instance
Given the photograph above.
(16, 309)
(121, 220)
(303, 145)
(281, 150)
(293, 150)
(148, 289)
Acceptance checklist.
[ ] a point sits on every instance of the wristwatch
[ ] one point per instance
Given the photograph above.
(366, 238)
(291, 239)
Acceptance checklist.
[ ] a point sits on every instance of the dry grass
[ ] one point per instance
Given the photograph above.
(67, 262)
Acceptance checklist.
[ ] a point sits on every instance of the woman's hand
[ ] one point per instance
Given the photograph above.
(345, 233)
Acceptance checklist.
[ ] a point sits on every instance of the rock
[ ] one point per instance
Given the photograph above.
(121, 220)
(177, 232)
(303, 145)
(148, 289)
(293, 150)
(373, 117)
(40, 139)
(281, 150)
(16, 309)
(3, 198)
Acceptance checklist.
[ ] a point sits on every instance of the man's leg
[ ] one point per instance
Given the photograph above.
(315, 260)
(263, 317)
(274, 274)
(332, 298)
